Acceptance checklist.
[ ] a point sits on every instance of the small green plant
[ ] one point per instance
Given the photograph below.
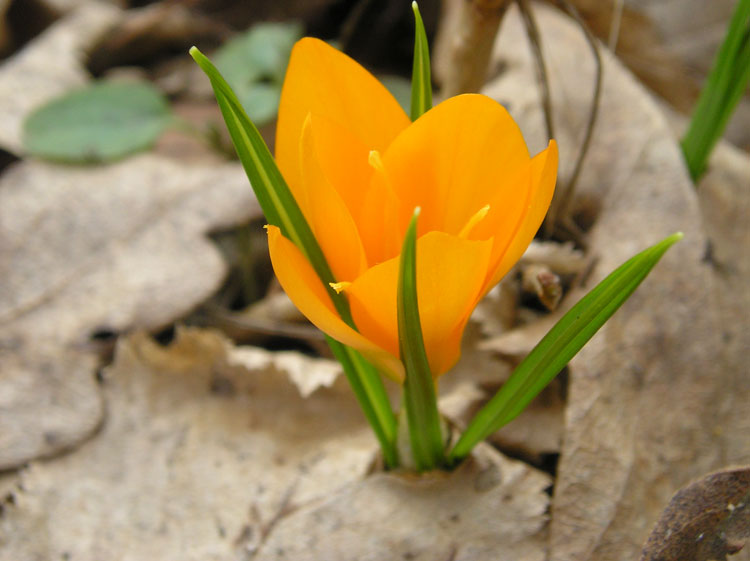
(722, 91)
(386, 230)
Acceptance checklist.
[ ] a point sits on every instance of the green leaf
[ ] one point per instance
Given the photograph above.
(261, 102)
(281, 209)
(721, 93)
(254, 65)
(421, 83)
(420, 402)
(260, 54)
(556, 349)
(368, 388)
(270, 188)
(102, 122)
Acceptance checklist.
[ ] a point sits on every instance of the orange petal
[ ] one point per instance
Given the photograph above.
(453, 160)
(344, 160)
(543, 174)
(327, 214)
(450, 275)
(325, 82)
(305, 289)
(380, 228)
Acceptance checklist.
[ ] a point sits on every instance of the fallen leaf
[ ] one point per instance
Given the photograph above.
(87, 251)
(307, 373)
(725, 207)
(201, 459)
(647, 397)
(489, 508)
(99, 123)
(705, 521)
(196, 460)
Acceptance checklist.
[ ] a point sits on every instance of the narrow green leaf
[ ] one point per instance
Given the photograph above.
(365, 382)
(281, 209)
(419, 388)
(556, 349)
(722, 91)
(254, 64)
(101, 122)
(421, 82)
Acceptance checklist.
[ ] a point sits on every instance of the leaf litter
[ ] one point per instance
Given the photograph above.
(203, 418)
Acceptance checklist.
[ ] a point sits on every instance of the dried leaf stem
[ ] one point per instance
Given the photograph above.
(558, 212)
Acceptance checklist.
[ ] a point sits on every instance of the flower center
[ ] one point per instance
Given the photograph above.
(473, 221)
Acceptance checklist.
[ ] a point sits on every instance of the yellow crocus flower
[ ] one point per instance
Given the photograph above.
(358, 167)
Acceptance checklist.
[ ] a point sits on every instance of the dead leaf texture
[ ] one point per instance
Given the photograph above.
(82, 250)
(202, 459)
(705, 521)
(650, 406)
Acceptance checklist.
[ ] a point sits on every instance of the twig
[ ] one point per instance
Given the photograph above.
(562, 198)
(532, 30)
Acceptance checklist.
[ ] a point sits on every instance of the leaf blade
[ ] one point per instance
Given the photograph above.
(560, 344)
(102, 122)
(421, 81)
(419, 388)
(281, 209)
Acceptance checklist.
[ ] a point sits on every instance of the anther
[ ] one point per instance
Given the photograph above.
(339, 287)
(473, 221)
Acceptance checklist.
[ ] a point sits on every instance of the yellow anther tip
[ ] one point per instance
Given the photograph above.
(339, 287)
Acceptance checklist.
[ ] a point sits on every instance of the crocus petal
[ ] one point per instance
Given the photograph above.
(325, 82)
(453, 160)
(450, 275)
(327, 214)
(304, 288)
(344, 161)
(543, 174)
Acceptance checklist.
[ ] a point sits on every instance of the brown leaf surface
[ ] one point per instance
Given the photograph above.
(649, 400)
(200, 459)
(705, 521)
(490, 508)
(104, 249)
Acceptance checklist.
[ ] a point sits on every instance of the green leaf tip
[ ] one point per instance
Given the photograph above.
(421, 81)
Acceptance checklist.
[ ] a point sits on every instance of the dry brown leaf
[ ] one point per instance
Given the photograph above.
(49, 66)
(200, 459)
(670, 46)
(307, 373)
(647, 396)
(86, 250)
(488, 509)
(562, 258)
(725, 207)
(705, 521)
(195, 461)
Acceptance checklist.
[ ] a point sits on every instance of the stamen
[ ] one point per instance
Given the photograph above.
(473, 221)
(376, 161)
(339, 287)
